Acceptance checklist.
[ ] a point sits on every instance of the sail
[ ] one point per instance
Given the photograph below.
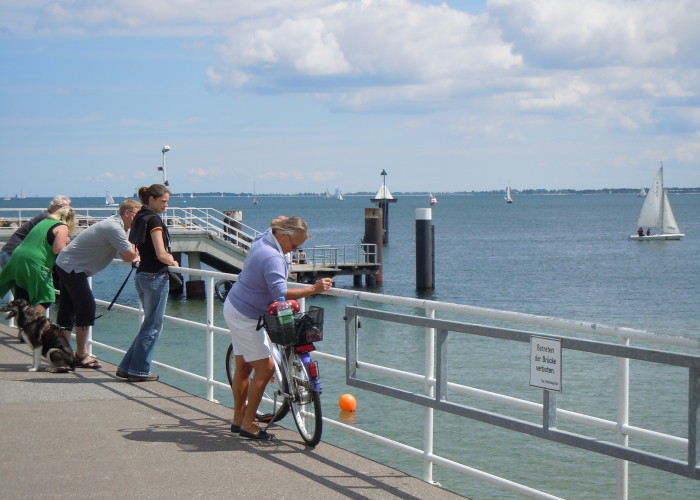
(508, 197)
(652, 209)
(670, 226)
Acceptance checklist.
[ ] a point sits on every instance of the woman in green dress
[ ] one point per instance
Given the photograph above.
(28, 272)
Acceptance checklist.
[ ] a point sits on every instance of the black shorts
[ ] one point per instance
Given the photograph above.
(77, 304)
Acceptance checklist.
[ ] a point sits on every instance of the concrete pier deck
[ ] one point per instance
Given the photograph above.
(89, 434)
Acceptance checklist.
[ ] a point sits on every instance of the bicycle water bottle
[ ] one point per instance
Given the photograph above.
(312, 370)
(285, 315)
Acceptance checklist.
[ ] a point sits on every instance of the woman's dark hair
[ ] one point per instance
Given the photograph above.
(152, 191)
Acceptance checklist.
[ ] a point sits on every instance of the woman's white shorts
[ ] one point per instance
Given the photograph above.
(248, 342)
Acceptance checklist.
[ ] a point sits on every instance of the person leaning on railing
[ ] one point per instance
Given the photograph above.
(150, 235)
(21, 233)
(90, 252)
(28, 271)
(263, 281)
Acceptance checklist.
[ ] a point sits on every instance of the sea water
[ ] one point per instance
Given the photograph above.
(564, 256)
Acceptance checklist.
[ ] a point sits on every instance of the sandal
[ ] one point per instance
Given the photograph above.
(87, 361)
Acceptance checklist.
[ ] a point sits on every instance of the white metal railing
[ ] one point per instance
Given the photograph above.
(337, 255)
(623, 335)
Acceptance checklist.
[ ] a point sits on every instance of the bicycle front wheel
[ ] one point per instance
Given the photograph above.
(306, 403)
(277, 386)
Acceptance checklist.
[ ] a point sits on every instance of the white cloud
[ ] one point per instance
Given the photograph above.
(589, 33)
(571, 95)
(688, 152)
(136, 17)
(206, 173)
(370, 45)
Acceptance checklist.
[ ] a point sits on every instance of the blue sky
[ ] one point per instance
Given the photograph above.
(304, 95)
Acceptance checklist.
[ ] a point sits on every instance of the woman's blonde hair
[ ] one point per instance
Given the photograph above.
(67, 216)
(293, 226)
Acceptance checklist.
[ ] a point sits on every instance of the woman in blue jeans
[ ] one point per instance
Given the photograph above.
(150, 235)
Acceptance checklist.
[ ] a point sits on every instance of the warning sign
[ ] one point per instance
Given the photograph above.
(545, 363)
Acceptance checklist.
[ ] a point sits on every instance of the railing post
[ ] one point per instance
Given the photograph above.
(356, 326)
(549, 409)
(693, 423)
(623, 400)
(210, 337)
(428, 412)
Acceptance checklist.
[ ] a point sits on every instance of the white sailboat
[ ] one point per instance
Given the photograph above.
(656, 213)
(509, 199)
(338, 194)
(109, 201)
(642, 193)
(433, 199)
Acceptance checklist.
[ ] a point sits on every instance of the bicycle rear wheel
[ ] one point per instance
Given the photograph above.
(277, 385)
(306, 403)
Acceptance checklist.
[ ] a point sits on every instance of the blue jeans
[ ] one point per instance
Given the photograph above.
(153, 294)
(4, 258)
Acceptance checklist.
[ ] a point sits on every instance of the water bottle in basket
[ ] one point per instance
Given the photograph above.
(285, 315)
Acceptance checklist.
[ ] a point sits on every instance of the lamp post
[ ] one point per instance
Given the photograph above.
(162, 167)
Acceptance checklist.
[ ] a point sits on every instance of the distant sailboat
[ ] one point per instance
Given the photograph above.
(642, 193)
(109, 201)
(21, 195)
(509, 198)
(433, 199)
(656, 213)
(327, 194)
(255, 200)
(339, 194)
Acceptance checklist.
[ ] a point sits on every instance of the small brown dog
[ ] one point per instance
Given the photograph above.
(45, 337)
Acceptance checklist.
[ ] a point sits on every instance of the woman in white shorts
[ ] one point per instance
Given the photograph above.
(263, 281)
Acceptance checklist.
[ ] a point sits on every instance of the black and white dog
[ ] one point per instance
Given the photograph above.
(44, 336)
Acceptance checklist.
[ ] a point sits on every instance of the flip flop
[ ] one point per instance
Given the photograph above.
(81, 363)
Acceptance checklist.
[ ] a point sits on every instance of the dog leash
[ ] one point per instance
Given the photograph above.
(134, 265)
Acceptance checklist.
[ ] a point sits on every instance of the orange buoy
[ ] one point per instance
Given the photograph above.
(347, 402)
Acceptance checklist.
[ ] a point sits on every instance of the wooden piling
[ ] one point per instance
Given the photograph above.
(374, 234)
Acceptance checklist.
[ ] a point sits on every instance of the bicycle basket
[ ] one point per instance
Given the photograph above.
(307, 327)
